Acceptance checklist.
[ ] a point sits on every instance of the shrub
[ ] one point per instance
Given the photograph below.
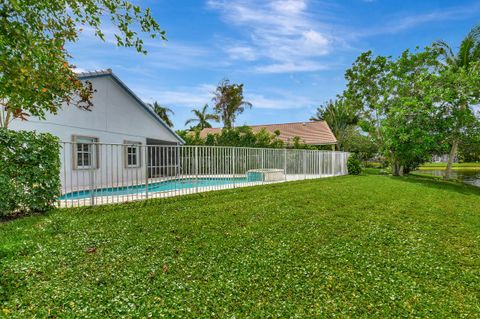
(242, 136)
(29, 171)
(354, 165)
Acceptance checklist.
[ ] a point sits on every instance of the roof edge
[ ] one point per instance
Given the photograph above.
(109, 73)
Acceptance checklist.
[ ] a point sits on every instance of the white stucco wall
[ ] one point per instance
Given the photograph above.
(116, 117)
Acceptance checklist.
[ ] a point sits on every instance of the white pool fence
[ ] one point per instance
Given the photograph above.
(97, 173)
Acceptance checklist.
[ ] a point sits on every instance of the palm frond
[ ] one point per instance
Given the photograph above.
(205, 108)
(213, 117)
(445, 50)
(198, 114)
(475, 33)
(468, 51)
(190, 121)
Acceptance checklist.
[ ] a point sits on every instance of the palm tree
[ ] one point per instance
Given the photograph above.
(339, 116)
(228, 102)
(202, 118)
(462, 61)
(162, 112)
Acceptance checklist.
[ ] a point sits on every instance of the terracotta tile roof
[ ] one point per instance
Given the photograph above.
(313, 133)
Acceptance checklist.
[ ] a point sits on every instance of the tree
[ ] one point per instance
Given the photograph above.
(229, 102)
(162, 112)
(340, 116)
(360, 143)
(469, 148)
(459, 73)
(201, 118)
(35, 75)
(398, 103)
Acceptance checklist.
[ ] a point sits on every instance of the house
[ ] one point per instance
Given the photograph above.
(92, 139)
(312, 133)
(443, 158)
(117, 116)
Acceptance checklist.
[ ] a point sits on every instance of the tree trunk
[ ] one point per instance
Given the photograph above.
(451, 156)
(5, 118)
(394, 169)
(397, 169)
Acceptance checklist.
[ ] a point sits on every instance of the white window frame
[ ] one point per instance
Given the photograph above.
(92, 143)
(128, 145)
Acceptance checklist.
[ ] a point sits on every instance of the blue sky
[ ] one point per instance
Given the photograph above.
(291, 55)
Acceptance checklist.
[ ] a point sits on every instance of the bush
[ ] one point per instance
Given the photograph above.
(29, 171)
(354, 165)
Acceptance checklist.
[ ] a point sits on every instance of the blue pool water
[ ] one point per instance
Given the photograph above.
(155, 187)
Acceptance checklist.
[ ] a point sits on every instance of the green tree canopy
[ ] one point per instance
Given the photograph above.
(35, 74)
(162, 112)
(340, 116)
(202, 118)
(469, 148)
(398, 103)
(229, 102)
(459, 89)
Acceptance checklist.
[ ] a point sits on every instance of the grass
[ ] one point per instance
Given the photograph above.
(462, 166)
(367, 246)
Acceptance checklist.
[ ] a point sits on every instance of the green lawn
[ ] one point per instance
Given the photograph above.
(365, 246)
(461, 166)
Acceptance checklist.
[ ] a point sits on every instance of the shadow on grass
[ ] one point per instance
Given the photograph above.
(17, 215)
(374, 171)
(436, 183)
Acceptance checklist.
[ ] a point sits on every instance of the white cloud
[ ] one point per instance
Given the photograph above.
(78, 70)
(177, 55)
(279, 32)
(281, 102)
(289, 6)
(242, 53)
(290, 67)
(89, 53)
(193, 97)
(396, 24)
(184, 97)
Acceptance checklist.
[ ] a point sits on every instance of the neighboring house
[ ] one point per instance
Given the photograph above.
(118, 116)
(311, 133)
(443, 158)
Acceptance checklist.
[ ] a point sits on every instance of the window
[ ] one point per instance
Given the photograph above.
(132, 154)
(85, 152)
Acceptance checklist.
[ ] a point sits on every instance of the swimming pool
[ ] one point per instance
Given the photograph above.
(170, 185)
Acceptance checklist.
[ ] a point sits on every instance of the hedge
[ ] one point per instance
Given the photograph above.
(354, 166)
(29, 171)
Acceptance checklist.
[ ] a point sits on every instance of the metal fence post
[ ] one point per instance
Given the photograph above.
(304, 164)
(233, 166)
(285, 163)
(145, 152)
(263, 165)
(92, 187)
(333, 163)
(196, 168)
